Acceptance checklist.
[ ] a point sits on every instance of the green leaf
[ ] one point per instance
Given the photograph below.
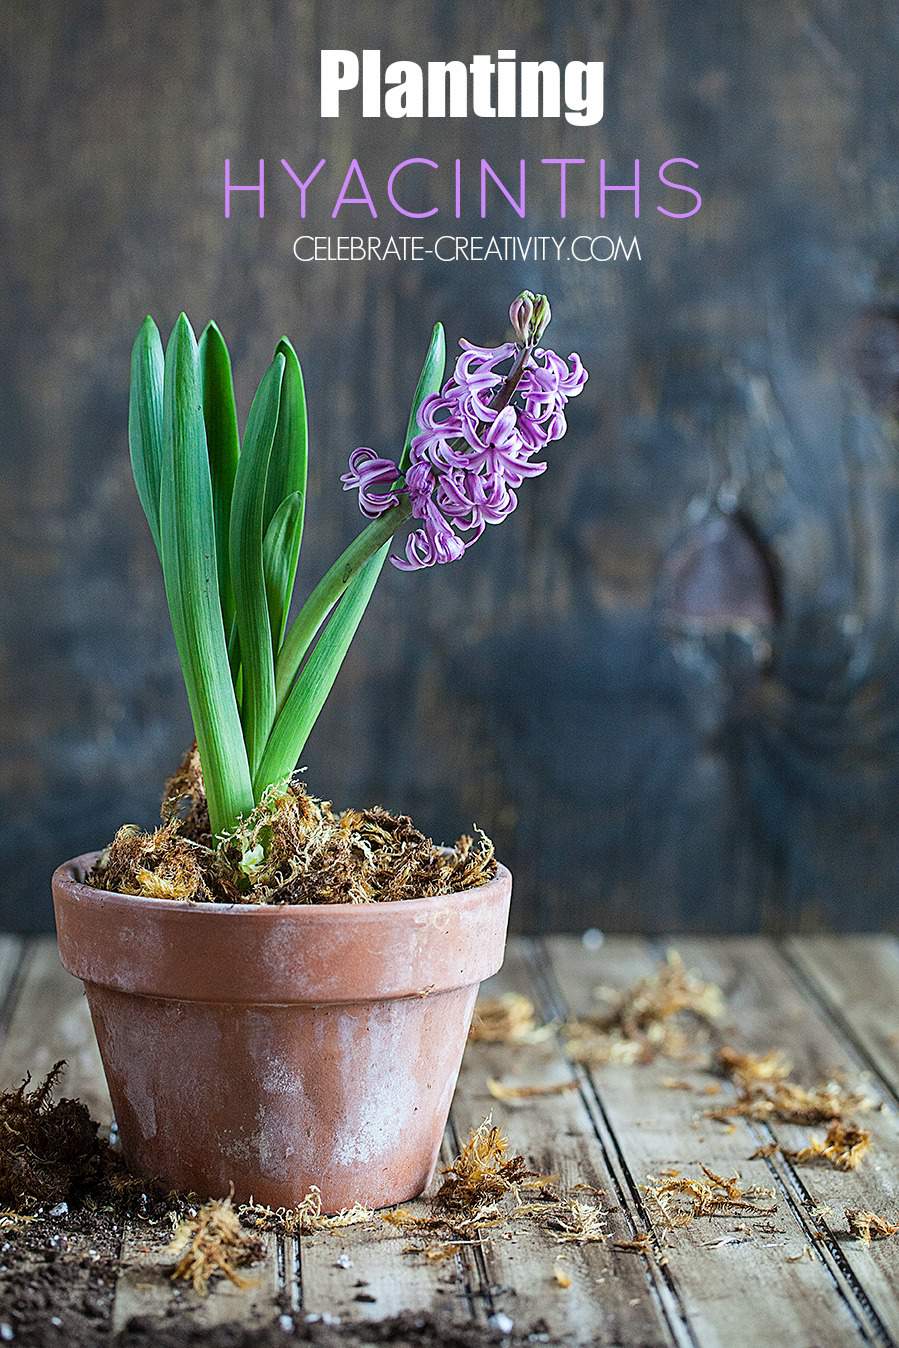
(247, 577)
(290, 452)
(187, 534)
(223, 444)
(280, 550)
(308, 695)
(145, 420)
(430, 380)
(336, 579)
(233, 639)
(287, 474)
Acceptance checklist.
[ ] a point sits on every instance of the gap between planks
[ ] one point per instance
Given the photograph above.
(855, 979)
(613, 1297)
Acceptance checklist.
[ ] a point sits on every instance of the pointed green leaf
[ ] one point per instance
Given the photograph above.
(280, 549)
(145, 420)
(223, 444)
(187, 534)
(430, 380)
(287, 474)
(308, 695)
(288, 468)
(246, 534)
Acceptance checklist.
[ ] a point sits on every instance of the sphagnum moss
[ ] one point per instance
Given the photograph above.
(291, 848)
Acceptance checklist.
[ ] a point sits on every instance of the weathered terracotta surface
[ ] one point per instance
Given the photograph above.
(276, 1048)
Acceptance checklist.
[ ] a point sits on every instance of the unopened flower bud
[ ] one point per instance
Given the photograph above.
(521, 314)
(529, 315)
(541, 319)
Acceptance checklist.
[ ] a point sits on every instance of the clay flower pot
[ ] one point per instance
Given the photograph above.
(280, 1047)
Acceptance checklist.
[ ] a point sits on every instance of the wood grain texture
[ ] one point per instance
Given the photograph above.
(50, 1021)
(757, 981)
(615, 1296)
(620, 1124)
(724, 1274)
(857, 980)
(668, 686)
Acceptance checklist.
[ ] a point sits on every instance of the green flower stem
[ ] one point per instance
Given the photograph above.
(333, 583)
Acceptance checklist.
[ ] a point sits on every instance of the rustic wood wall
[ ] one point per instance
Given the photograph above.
(667, 687)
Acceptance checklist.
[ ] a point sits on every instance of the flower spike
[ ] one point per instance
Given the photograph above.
(477, 440)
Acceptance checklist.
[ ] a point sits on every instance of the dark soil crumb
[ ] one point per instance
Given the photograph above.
(64, 1194)
(408, 1330)
(57, 1278)
(50, 1150)
(292, 848)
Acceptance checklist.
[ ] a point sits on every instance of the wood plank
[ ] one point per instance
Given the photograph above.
(772, 1009)
(621, 1124)
(360, 1273)
(724, 1287)
(615, 1296)
(49, 1021)
(11, 948)
(145, 1289)
(857, 978)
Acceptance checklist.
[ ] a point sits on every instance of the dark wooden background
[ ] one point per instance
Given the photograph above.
(668, 686)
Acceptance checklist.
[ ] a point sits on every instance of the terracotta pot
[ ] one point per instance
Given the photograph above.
(279, 1047)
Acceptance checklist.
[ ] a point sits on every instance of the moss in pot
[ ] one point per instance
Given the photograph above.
(281, 993)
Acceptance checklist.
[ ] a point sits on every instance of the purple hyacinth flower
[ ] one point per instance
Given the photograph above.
(477, 440)
(434, 543)
(366, 471)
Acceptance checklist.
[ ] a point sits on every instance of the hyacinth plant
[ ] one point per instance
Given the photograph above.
(227, 519)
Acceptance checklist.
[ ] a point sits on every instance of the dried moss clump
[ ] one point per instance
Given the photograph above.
(292, 848)
(508, 1019)
(576, 1223)
(868, 1226)
(647, 1020)
(749, 1070)
(488, 1187)
(213, 1242)
(682, 1198)
(184, 799)
(500, 1090)
(481, 1173)
(50, 1151)
(844, 1146)
(765, 1091)
(158, 865)
(306, 1218)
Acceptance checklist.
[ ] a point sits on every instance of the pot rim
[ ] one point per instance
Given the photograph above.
(68, 874)
(278, 954)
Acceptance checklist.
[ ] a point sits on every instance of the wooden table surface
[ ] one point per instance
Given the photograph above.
(830, 1003)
